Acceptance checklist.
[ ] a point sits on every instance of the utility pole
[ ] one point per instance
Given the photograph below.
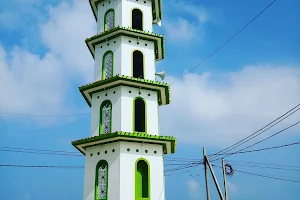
(224, 177)
(206, 175)
(207, 163)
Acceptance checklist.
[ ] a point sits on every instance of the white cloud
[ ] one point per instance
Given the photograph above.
(232, 188)
(65, 33)
(187, 26)
(193, 189)
(214, 110)
(32, 83)
(181, 30)
(29, 82)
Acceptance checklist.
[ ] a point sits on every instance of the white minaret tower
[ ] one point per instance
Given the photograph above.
(124, 153)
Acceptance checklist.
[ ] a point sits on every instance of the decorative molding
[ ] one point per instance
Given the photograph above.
(159, 40)
(168, 142)
(162, 89)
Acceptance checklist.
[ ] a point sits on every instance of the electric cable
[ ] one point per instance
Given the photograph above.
(44, 115)
(259, 163)
(45, 129)
(226, 42)
(256, 133)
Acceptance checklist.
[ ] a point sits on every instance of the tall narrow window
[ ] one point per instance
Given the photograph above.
(101, 180)
(105, 117)
(142, 180)
(109, 18)
(107, 66)
(137, 19)
(139, 115)
(138, 64)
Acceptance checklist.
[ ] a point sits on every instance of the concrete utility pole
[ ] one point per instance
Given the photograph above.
(224, 177)
(206, 175)
(207, 163)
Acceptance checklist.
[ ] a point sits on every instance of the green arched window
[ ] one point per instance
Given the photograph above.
(142, 180)
(109, 20)
(107, 65)
(139, 115)
(101, 180)
(138, 64)
(105, 117)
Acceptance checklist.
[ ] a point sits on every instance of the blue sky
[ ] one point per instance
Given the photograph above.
(250, 82)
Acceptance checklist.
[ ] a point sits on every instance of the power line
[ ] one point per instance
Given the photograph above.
(263, 175)
(45, 129)
(256, 133)
(225, 43)
(263, 149)
(37, 152)
(259, 163)
(32, 149)
(43, 115)
(268, 167)
(268, 176)
(41, 166)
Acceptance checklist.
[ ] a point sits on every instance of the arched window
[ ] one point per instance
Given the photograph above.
(101, 180)
(139, 115)
(105, 117)
(138, 64)
(107, 65)
(137, 19)
(142, 180)
(109, 20)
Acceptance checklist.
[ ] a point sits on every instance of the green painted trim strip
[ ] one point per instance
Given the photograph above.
(130, 34)
(127, 135)
(130, 79)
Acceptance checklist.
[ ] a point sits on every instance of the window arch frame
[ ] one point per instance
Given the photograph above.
(100, 118)
(136, 181)
(132, 18)
(133, 113)
(96, 180)
(112, 63)
(132, 63)
(104, 23)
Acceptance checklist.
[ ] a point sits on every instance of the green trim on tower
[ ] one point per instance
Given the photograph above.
(168, 142)
(162, 89)
(96, 180)
(139, 192)
(133, 115)
(159, 40)
(100, 123)
(156, 9)
(112, 70)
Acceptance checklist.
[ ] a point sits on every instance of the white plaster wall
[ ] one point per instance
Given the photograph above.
(123, 56)
(127, 109)
(127, 56)
(123, 11)
(127, 169)
(105, 6)
(144, 5)
(116, 109)
(122, 109)
(113, 160)
(114, 46)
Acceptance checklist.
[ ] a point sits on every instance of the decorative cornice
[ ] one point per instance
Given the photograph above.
(159, 40)
(162, 89)
(168, 142)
